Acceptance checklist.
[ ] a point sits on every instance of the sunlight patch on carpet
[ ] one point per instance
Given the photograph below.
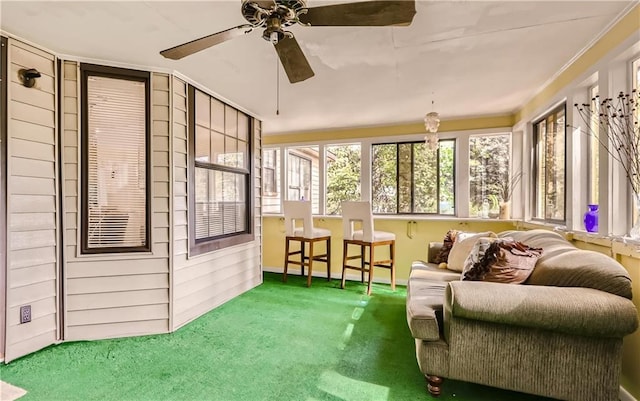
(9, 392)
(348, 389)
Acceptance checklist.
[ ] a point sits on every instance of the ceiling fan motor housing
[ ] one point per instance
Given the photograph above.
(285, 10)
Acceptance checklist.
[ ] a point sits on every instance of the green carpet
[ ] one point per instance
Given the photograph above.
(276, 342)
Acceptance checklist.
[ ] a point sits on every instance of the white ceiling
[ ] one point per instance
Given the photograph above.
(472, 58)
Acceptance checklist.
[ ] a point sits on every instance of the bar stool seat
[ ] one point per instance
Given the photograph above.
(307, 235)
(360, 213)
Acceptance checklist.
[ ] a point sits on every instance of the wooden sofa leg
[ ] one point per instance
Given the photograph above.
(434, 384)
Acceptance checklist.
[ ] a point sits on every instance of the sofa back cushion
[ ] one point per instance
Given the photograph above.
(564, 265)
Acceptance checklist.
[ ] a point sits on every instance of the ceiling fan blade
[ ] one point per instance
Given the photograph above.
(293, 60)
(187, 49)
(367, 13)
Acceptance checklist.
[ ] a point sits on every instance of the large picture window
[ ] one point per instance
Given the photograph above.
(343, 176)
(549, 149)
(410, 178)
(115, 160)
(220, 164)
(489, 180)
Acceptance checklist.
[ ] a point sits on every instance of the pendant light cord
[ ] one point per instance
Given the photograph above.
(277, 86)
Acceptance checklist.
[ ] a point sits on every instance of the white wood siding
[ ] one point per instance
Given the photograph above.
(116, 295)
(32, 254)
(203, 282)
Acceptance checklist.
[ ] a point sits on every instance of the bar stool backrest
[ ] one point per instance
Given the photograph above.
(357, 211)
(295, 211)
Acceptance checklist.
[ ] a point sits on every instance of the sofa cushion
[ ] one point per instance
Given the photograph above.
(462, 247)
(431, 272)
(564, 265)
(500, 261)
(447, 243)
(575, 311)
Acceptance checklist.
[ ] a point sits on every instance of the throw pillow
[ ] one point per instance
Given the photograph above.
(501, 261)
(462, 247)
(447, 244)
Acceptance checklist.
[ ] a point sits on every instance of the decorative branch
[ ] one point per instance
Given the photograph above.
(508, 186)
(618, 130)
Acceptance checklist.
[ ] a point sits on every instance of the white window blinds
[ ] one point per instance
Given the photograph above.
(116, 163)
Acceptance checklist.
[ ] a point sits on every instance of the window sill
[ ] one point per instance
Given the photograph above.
(416, 217)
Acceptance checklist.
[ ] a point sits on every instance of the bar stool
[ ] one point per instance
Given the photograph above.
(360, 212)
(295, 211)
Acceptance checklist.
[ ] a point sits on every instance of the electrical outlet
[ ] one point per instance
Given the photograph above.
(25, 314)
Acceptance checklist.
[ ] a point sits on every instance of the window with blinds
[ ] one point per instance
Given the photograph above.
(221, 172)
(115, 211)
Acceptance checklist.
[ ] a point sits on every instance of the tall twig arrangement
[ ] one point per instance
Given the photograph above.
(618, 130)
(508, 186)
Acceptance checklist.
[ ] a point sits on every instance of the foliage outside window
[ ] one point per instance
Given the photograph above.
(489, 162)
(303, 175)
(220, 192)
(549, 149)
(410, 178)
(115, 162)
(594, 150)
(271, 180)
(343, 176)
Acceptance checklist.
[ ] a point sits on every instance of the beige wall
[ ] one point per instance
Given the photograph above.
(115, 295)
(200, 283)
(32, 251)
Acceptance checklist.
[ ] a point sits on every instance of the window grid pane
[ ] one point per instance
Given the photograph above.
(271, 181)
(303, 172)
(343, 175)
(550, 157)
(220, 194)
(489, 177)
(411, 178)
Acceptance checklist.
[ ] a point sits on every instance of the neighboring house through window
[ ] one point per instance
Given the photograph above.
(115, 160)
(220, 193)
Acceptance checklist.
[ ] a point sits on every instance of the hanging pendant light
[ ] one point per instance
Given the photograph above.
(431, 124)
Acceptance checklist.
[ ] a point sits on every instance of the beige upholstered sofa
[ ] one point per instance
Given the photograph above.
(557, 335)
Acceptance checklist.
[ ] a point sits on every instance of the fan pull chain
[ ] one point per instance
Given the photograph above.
(277, 86)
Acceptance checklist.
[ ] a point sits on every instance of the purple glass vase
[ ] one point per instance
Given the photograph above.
(591, 219)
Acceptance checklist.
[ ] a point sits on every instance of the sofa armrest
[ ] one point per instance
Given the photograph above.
(572, 310)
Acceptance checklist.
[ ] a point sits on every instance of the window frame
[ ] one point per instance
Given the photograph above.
(210, 244)
(412, 180)
(272, 168)
(534, 148)
(87, 70)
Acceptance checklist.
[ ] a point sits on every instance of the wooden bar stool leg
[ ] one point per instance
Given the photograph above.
(328, 259)
(286, 259)
(302, 256)
(371, 264)
(345, 246)
(362, 264)
(392, 247)
(310, 263)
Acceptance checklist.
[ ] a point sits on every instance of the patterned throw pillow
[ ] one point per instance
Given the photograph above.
(447, 244)
(501, 261)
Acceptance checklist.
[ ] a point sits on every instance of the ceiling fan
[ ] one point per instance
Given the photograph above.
(275, 15)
